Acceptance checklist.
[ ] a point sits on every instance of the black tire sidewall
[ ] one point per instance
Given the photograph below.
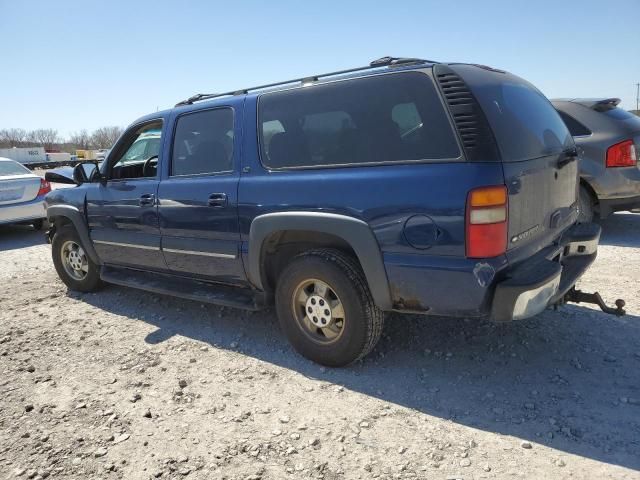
(585, 202)
(88, 284)
(350, 345)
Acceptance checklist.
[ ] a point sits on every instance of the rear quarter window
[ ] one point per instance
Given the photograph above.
(576, 128)
(524, 122)
(380, 119)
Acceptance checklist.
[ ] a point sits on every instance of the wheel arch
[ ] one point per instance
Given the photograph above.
(355, 233)
(59, 215)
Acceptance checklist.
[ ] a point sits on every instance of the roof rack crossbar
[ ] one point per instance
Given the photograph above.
(379, 63)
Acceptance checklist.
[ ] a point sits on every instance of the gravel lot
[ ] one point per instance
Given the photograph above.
(128, 385)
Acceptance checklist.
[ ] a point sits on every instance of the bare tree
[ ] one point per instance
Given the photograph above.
(12, 137)
(105, 137)
(46, 137)
(80, 139)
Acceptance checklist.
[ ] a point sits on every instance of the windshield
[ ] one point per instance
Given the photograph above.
(9, 167)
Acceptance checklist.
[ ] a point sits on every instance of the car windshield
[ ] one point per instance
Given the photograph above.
(9, 167)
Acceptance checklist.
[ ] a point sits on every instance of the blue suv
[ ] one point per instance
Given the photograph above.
(407, 185)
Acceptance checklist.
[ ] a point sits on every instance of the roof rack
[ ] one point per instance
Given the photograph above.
(379, 63)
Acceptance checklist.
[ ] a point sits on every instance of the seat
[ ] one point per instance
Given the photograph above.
(209, 156)
(287, 149)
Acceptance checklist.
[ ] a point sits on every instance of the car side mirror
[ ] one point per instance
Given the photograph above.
(86, 172)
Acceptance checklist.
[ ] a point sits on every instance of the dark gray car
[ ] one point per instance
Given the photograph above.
(608, 141)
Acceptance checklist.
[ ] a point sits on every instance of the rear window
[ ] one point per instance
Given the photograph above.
(524, 122)
(628, 118)
(576, 128)
(390, 118)
(12, 168)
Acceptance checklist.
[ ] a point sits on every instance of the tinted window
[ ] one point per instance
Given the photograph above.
(390, 118)
(524, 122)
(575, 127)
(12, 168)
(628, 118)
(203, 143)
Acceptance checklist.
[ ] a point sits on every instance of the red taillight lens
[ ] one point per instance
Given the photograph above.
(45, 187)
(622, 154)
(486, 222)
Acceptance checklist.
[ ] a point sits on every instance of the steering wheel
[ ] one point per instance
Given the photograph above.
(149, 164)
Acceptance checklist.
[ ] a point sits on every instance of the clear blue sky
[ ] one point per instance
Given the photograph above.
(84, 64)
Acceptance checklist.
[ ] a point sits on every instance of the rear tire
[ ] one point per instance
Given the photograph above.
(72, 263)
(585, 206)
(325, 308)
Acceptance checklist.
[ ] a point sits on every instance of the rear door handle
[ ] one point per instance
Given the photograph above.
(147, 199)
(218, 200)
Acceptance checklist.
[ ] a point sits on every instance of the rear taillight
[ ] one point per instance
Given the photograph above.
(622, 154)
(486, 218)
(45, 187)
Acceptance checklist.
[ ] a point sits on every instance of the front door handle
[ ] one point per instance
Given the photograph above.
(147, 199)
(217, 200)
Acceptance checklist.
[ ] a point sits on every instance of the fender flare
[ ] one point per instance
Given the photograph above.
(355, 232)
(76, 218)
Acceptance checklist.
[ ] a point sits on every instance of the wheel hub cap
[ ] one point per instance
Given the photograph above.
(318, 311)
(74, 260)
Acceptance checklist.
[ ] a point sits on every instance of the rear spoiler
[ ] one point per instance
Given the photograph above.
(597, 104)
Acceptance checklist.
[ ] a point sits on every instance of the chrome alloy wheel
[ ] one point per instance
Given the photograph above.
(74, 260)
(318, 311)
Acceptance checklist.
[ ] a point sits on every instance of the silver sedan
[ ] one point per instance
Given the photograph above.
(21, 194)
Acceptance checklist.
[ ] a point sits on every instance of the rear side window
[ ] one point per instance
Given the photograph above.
(203, 143)
(576, 129)
(389, 118)
(524, 122)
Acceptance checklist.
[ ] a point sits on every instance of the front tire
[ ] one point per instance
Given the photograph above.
(72, 263)
(325, 308)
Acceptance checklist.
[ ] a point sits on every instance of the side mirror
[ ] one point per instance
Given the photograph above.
(85, 173)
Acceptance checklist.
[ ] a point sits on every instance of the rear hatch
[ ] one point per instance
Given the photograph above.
(17, 184)
(537, 154)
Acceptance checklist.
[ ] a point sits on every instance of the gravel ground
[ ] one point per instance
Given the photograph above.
(128, 385)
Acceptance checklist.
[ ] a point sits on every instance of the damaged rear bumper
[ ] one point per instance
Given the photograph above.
(545, 279)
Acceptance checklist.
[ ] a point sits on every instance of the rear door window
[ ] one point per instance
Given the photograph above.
(524, 122)
(203, 143)
(380, 119)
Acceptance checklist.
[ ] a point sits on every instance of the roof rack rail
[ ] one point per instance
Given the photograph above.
(379, 63)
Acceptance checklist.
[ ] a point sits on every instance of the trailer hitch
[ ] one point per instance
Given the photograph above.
(577, 296)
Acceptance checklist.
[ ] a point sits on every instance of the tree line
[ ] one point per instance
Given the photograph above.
(49, 138)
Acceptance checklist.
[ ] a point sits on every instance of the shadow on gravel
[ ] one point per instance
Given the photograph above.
(621, 230)
(568, 379)
(19, 236)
